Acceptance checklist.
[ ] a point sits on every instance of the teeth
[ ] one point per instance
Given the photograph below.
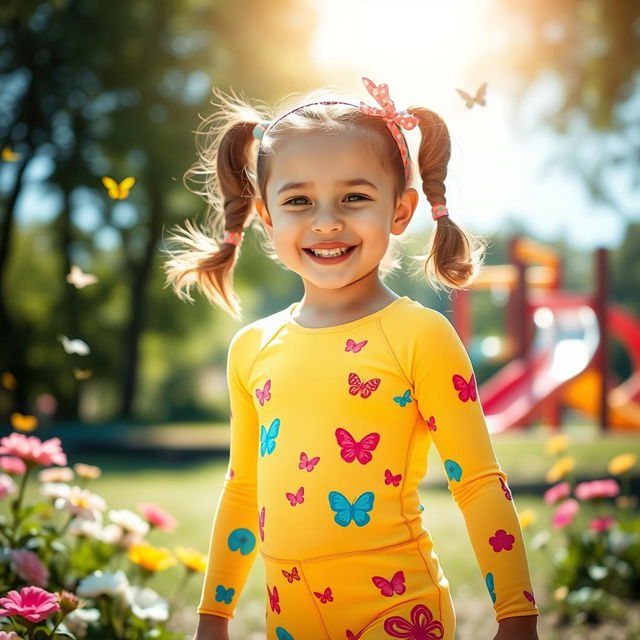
(328, 253)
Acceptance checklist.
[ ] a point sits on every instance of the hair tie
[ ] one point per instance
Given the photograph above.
(439, 210)
(260, 128)
(233, 237)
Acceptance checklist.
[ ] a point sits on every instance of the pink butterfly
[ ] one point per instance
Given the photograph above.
(264, 394)
(529, 596)
(274, 599)
(307, 463)
(431, 423)
(391, 479)
(296, 498)
(261, 524)
(231, 473)
(354, 346)
(365, 389)
(352, 449)
(465, 389)
(324, 596)
(507, 492)
(388, 588)
(291, 576)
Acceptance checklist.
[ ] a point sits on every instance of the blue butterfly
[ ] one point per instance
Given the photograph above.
(242, 539)
(345, 511)
(283, 634)
(453, 469)
(490, 586)
(268, 440)
(224, 595)
(403, 399)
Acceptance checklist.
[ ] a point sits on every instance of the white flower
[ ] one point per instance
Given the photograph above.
(56, 475)
(55, 490)
(129, 521)
(77, 621)
(111, 534)
(7, 485)
(147, 604)
(85, 528)
(82, 503)
(102, 583)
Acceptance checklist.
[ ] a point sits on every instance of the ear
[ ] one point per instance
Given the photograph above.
(261, 208)
(405, 207)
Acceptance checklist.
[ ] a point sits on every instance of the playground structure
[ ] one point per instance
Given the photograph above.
(556, 346)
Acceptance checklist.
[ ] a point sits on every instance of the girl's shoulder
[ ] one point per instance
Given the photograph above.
(254, 335)
(412, 318)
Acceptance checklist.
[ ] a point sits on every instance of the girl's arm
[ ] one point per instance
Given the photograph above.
(517, 628)
(447, 399)
(212, 628)
(234, 535)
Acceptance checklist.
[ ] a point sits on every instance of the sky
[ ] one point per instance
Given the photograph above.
(421, 49)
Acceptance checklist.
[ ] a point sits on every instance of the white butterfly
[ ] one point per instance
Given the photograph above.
(74, 346)
(79, 279)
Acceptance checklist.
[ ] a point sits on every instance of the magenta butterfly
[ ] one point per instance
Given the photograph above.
(264, 394)
(431, 423)
(391, 479)
(465, 389)
(307, 463)
(354, 346)
(296, 498)
(261, 524)
(529, 596)
(365, 389)
(350, 449)
(507, 492)
(291, 576)
(274, 599)
(388, 588)
(326, 596)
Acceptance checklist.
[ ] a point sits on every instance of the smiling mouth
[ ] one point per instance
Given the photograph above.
(330, 253)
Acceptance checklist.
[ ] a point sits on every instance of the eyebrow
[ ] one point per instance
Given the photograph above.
(345, 183)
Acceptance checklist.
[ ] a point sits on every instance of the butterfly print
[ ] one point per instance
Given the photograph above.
(354, 346)
(529, 596)
(353, 636)
(350, 449)
(479, 98)
(324, 597)
(389, 587)
(224, 595)
(268, 438)
(264, 394)
(291, 576)
(307, 463)
(422, 625)
(465, 389)
(389, 478)
(404, 399)
(365, 389)
(488, 580)
(431, 423)
(346, 512)
(261, 524)
(296, 498)
(274, 599)
(507, 492)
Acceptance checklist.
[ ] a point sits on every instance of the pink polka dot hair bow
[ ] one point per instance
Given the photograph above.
(392, 117)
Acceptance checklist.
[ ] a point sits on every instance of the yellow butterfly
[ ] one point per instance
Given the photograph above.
(81, 374)
(9, 156)
(22, 422)
(118, 191)
(478, 99)
(79, 279)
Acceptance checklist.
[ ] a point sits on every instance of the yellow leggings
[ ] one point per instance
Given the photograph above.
(394, 592)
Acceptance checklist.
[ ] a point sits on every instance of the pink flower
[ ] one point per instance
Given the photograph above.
(12, 465)
(502, 540)
(7, 485)
(9, 635)
(156, 516)
(422, 626)
(32, 603)
(597, 489)
(29, 567)
(557, 492)
(565, 513)
(33, 450)
(601, 524)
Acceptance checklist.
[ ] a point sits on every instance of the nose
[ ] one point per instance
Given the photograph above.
(326, 220)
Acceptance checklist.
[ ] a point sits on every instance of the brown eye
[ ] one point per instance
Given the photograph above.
(357, 195)
(292, 201)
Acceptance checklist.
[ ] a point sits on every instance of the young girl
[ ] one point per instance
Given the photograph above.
(336, 399)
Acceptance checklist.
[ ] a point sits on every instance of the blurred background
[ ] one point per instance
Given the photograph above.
(545, 162)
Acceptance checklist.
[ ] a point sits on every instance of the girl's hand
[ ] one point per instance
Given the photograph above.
(517, 628)
(212, 627)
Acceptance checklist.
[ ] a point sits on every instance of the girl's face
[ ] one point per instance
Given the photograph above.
(326, 189)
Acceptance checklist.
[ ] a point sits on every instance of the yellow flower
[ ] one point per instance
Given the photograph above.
(150, 557)
(527, 517)
(622, 463)
(561, 467)
(556, 444)
(22, 422)
(192, 559)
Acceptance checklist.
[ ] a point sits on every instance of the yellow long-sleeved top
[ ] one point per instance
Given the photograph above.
(330, 431)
